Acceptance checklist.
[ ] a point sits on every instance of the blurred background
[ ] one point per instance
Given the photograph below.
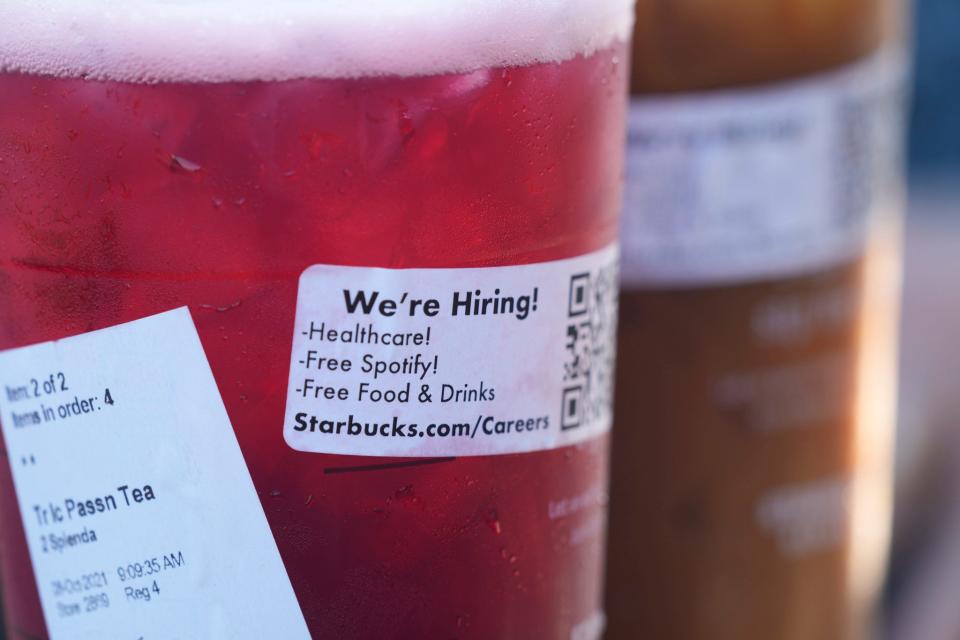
(925, 569)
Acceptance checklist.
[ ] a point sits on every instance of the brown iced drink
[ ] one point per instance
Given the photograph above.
(755, 362)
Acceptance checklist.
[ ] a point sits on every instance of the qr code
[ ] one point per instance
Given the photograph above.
(590, 346)
(854, 180)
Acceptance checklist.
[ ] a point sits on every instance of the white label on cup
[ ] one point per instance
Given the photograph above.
(749, 184)
(453, 362)
(807, 518)
(139, 512)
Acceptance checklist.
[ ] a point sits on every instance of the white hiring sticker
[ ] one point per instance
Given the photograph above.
(747, 184)
(139, 512)
(453, 362)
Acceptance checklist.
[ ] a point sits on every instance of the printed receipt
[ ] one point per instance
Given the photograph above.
(139, 511)
(453, 362)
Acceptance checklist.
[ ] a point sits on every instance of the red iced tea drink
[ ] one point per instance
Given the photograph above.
(150, 161)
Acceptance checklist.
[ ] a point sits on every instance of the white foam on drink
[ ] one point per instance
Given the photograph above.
(224, 40)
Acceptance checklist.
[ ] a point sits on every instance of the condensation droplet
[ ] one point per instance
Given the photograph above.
(178, 163)
(493, 521)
